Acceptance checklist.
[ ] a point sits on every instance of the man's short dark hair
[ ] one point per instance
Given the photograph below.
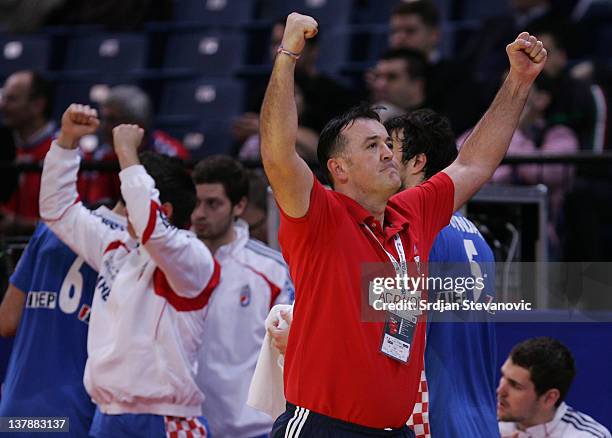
(41, 88)
(173, 183)
(258, 190)
(426, 132)
(225, 171)
(416, 62)
(425, 9)
(550, 364)
(332, 141)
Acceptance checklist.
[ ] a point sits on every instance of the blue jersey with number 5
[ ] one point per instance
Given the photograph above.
(460, 356)
(45, 373)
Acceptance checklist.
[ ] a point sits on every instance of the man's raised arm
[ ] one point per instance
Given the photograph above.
(487, 144)
(289, 175)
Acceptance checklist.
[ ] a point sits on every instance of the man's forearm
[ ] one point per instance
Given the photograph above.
(127, 157)
(487, 144)
(279, 121)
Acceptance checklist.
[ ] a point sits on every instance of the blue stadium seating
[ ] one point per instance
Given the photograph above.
(379, 42)
(334, 50)
(20, 52)
(329, 14)
(112, 53)
(206, 139)
(476, 10)
(209, 54)
(87, 91)
(215, 13)
(200, 100)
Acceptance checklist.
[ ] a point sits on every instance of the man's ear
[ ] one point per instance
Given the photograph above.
(168, 210)
(551, 397)
(337, 168)
(239, 208)
(419, 162)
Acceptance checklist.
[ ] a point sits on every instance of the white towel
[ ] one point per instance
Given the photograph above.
(266, 392)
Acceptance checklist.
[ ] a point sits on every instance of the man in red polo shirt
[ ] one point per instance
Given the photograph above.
(25, 107)
(345, 377)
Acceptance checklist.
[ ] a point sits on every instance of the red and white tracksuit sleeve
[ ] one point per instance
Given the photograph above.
(62, 210)
(186, 263)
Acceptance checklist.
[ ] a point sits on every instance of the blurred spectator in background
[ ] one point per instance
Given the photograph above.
(574, 104)
(130, 105)
(400, 83)
(537, 134)
(8, 176)
(323, 97)
(26, 110)
(306, 141)
(485, 50)
(451, 90)
(256, 212)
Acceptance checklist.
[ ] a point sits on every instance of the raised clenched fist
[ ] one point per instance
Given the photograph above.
(298, 29)
(527, 57)
(127, 137)
(77, 121)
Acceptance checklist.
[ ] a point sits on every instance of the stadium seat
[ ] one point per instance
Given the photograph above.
(379, 42)
(214, 13)
(334, 50)
(125, 53)
(88, 92)
(20, 52)
(478, 10)
(204, 140)
(329, 14)
(205, 54)
(200, 100)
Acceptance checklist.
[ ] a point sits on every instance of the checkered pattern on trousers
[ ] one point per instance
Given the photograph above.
(184, 427)
(419, 420)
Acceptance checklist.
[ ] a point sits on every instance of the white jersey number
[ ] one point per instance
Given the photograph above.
(470, 251)
(72, 288)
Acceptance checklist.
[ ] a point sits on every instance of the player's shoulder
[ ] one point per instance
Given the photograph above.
(258, 249)
(110, 218)
(41, 230)
(582, 425)
(265, 257)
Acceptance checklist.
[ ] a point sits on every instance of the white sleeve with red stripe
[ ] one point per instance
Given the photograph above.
(60, 207)
(184, 260)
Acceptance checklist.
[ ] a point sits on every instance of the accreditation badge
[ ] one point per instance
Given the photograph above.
(398, 337)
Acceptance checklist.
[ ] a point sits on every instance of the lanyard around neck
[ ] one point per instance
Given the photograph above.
(401, 267)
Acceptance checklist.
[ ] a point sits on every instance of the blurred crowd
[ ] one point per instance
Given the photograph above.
(416, 68)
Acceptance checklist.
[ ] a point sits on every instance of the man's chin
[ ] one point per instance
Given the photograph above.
(394, 182)
(202, 234)
(503, 414)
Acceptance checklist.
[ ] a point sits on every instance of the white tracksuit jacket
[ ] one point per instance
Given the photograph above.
(253, 278)
(151, 295)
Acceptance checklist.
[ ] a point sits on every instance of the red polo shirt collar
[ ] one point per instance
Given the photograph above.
(394, 222)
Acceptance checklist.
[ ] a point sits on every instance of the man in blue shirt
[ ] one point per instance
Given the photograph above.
(48, 304)
(460, 352)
